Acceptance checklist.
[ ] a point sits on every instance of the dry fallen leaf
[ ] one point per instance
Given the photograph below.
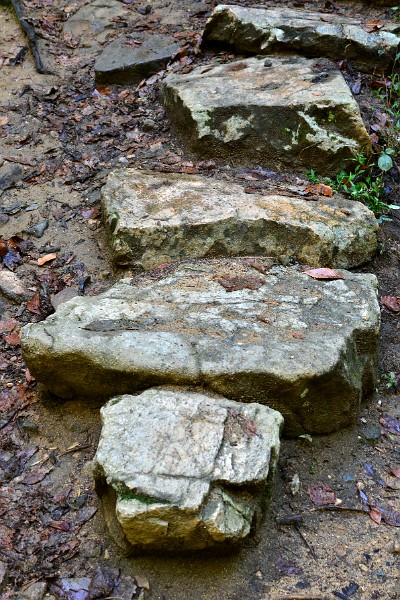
(34, 304)
(373, 25)
(13, 339)
(396, 471)
(47, 258)
(3, 120)
(297, 335)
(391, 302)
(29, 378)
(323, 274)
(7, 325)
(321, 494)
(238, 282)
(320, 189)
(375, 515)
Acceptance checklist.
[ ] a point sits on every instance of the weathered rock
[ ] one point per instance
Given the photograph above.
(155, 218)
(10, 174)
(268, 30)
(190, 470)
(94, 17)
(303, 346)
(3, 575)
(124, 63)
(12, 287)
(63, 296)
(281, 112)
(36, 591)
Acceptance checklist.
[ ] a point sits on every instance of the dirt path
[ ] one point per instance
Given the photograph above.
(65, 134)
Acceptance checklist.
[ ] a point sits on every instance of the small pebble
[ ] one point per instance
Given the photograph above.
(38, 229)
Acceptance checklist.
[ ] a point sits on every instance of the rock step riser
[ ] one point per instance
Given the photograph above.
(268, 31)
(286, 112)
(306, 347)
(153, 219)
(190, 471)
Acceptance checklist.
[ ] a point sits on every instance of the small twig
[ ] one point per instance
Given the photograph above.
(32, 37)
(76, 449)
(306, 543)
(298, 518)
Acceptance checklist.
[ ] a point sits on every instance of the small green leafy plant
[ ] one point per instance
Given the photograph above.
(363, 181)
(391, 380)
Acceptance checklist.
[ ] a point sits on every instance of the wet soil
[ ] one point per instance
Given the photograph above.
(66, 134)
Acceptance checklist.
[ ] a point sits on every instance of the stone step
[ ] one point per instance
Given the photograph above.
(189, 470)
(286, 112)
(126, 64)
(155, 218)
(314, 34)
(242, 328)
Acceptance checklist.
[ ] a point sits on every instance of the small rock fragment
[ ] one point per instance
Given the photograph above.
(36, 591)
(3, 576)
(12, 287)
(38, 229)
(9, 175)
(63, 296)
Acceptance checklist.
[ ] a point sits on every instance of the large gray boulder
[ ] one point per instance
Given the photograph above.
(268, 30)
(154, 218)
(126, 63)
(303, 346)
(189, 470)
(287, 112)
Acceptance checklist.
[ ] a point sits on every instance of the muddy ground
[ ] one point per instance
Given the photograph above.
(64, 134)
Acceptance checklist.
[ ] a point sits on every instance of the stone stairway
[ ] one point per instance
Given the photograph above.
(232, 321)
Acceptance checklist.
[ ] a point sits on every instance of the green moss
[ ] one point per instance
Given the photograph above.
(124, 493)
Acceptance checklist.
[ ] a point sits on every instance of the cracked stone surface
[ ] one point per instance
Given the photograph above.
(124, 64)
(265, 31)
(190, 470)
(94, 19)
(243, 328)
(155, 218)
(282, 112)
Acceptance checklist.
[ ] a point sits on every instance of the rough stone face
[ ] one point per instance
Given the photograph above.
(303, 346)
(155, 218)
(264, 31)
(12, 287)
(123, 63)
(94, 18)
(279, 112)
(189, 470)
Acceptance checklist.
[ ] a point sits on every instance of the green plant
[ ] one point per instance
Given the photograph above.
(363, 181)
(391, 380)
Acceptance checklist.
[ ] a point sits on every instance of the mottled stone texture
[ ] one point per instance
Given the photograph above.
(122, 63)
(190, 470)
(304, 347)
(153, 218)
(287, 112)
(269, 30)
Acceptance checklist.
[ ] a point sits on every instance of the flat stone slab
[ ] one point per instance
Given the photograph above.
(124, 62)
(190, 470)
(155, 218)
(287, 112)
(303, 346)
(269, 30)
(94, 18)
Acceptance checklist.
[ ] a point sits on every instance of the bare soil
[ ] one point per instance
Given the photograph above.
(66, 134)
